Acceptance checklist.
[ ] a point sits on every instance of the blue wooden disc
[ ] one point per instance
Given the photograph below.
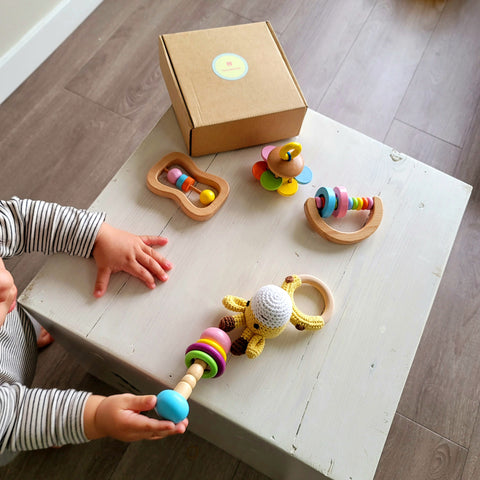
(305, 176)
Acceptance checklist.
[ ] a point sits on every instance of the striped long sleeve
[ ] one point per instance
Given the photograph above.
(38, 418)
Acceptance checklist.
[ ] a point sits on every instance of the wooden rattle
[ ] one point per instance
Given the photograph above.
(336, 202)
(183, 183)
(282, 169)
(206, 358)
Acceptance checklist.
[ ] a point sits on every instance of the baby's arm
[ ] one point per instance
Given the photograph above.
(38, 226)
(36, 418)
(35, 225)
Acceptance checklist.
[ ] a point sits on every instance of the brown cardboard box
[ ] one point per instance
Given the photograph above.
(231, 87)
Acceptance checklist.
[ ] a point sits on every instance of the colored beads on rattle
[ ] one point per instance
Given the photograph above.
(336, 202)
(186, 183)
(206, 358)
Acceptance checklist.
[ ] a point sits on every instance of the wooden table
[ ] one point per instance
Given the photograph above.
(313, 405)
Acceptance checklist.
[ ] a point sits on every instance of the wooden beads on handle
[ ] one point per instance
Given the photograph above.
(206, 358)
(336, 202)
(186, 183)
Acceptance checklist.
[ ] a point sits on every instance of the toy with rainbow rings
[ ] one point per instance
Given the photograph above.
(206, 358)
(336, 202)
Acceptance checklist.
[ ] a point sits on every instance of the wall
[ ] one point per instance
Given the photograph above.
(30, 31)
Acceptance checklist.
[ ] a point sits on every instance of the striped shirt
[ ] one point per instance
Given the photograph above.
(33, 418)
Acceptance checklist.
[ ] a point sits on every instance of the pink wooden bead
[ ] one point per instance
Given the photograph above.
(173, 175)
(342, 202)
(219, 336)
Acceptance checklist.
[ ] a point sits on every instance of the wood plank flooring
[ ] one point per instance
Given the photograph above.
(406, 72)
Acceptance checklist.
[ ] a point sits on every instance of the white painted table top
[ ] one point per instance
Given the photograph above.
(326, 398)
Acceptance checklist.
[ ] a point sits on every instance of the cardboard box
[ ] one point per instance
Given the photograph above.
(231, 87)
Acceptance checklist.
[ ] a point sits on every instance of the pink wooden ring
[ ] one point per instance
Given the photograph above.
(342, 202)
(203, 347)
(219, 336)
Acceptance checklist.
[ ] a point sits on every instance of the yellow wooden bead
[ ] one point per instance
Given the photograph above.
(207, 197)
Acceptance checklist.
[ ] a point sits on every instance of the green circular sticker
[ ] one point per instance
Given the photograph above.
(230, 66)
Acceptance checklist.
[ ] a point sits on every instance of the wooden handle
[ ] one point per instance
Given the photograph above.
(344, 238)
(191, 210)
(194, 373)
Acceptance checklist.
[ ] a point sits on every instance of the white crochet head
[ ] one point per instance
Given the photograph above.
(272, 306)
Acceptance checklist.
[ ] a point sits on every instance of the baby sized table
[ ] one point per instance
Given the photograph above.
(313, 405)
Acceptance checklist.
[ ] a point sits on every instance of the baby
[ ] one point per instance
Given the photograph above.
(39, 418)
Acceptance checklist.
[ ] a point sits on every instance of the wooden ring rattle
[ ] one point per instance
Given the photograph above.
(184, 183)
(336, 202)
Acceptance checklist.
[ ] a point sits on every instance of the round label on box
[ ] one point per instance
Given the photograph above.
(230, 66)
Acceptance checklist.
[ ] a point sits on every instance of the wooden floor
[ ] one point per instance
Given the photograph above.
(406, 72)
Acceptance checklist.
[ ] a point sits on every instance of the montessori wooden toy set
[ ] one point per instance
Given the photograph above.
(267, 313)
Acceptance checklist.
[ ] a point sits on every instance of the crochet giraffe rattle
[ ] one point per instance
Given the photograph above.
(268, 312)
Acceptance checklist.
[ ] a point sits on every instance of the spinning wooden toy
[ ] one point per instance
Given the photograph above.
(336, 202)
(205, 358)
(282, 169)
(182, 183)
(267, 313)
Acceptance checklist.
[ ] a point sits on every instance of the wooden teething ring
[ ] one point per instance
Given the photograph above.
(344, 238)
(191, 210)
(325, 292)
(300, 320)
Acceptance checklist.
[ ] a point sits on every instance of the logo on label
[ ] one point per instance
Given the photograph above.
(230, 66)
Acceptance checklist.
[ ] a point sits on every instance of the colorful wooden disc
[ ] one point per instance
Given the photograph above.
(305, 176)
(288, 188)
(269, 181)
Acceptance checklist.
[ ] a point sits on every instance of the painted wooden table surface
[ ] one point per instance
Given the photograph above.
(313, 405)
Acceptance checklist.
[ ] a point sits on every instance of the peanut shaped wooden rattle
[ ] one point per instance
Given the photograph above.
(336, 202)
(268, 312)
(206, 358)
(180, 183)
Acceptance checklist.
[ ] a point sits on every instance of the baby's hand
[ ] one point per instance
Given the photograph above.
(119, 417)
(8, 292)
(117, 250)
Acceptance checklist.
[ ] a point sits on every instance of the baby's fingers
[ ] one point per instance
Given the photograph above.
(154, 240)
(101, 283)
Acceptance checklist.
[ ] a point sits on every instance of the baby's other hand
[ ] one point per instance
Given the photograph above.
(117, 250)
(119, 417)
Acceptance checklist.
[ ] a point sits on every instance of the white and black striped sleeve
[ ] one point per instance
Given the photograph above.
(38, 226)
(35, 418)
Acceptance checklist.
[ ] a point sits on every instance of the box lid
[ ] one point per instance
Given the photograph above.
(248, 77)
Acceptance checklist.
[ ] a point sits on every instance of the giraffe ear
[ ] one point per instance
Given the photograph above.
(236, 304)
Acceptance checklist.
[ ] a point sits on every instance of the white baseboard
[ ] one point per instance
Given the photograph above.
(40, 42)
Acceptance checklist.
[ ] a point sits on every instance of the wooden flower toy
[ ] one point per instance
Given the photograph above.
(268, 312)
(206, 358)
(336, 202)
(282, 169)
(179, 184)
